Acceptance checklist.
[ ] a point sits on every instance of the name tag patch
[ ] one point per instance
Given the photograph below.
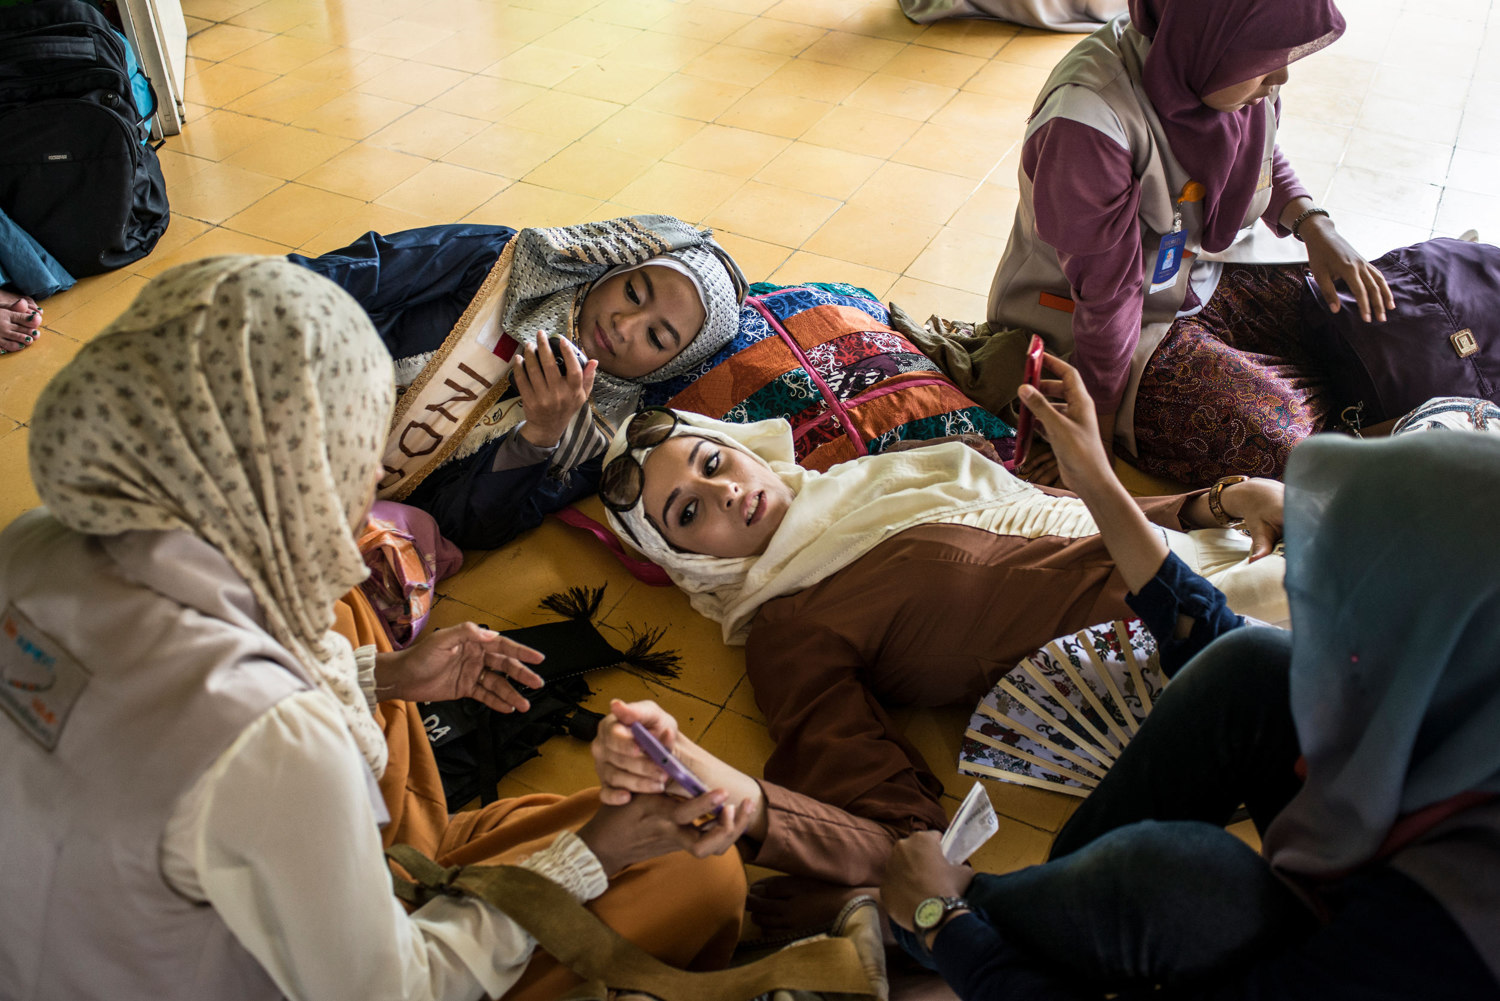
(1264, 181)
(39, 681)
(1168, 261)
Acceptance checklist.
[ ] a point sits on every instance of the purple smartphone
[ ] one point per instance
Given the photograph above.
(675, 769)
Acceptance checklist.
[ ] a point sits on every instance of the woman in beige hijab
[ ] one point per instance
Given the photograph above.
(189, 756)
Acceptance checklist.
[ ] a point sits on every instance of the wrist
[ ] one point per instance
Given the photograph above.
(929, 938)
(1224, 500)
(540, 435)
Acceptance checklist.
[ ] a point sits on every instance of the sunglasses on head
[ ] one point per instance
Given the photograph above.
(624, 478)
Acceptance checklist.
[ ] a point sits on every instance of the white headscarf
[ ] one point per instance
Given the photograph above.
(836, 517)
(245, 400)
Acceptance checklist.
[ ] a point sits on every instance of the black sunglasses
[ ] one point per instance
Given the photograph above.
(623, 478)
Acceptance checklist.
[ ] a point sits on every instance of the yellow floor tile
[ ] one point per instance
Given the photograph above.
(991, 210)
(757, 258)
(345, 68)
(444, 191)
(832, 173)
(288, 152)
(584, 37)
(643, 133)
(507, 151)
(413, 82)
(216, 10)
(427, 132)
(734, 64)
(805, 267)
(522, 205)
(775, 114)
(898, 95)
(945, 69)
(215, 242)
(281, 54)
(287, 99)
(612, 79)
(923, 194)
(220, 83)
(557, 114)
(882, 20)
(956, 151)
(82, 324)
(715, 668)
(467, 53)
(979, 113)
(1038, 48)
(724, 150)
(1386, 195)
(278, 15)
(685, 192)
(701, 23)
(292, 214)
(353, 115)
(742, 701)
(821, 13)
(17, 495)
(857, 52)
(691, 97)
(485, 97)
(224, 40)
(773, 214)
(970, 37)
(366, 218)
(815, 81)
(924, 299)
(741, 742)
(539, 66)
(400, 37)
(1015, 846)
(363, 172)
(959, 259)
(218, 191)
(589, 170)
(632, 13)
(855, 130)
(55, 307)
(220, 134)
(780, 37)
(874, 237)
(24, 373)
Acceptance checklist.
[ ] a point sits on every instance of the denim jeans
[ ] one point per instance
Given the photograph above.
(1145, 886)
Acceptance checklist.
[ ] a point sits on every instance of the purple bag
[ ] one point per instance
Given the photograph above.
(1442, 339)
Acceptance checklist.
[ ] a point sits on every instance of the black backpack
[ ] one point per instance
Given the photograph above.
(76, 170)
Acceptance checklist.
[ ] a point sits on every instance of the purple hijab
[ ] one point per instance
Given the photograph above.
(1200, 46)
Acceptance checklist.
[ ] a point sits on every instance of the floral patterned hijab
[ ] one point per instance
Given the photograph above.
(245, 400)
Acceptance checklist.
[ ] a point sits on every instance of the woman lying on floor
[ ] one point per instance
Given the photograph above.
(1364, 746)
(489, 449)
(912, 578)
(189, 757)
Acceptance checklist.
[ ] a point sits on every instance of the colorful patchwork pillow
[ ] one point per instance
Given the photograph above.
(823, 357)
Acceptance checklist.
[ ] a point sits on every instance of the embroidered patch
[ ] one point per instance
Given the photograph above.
(39, 681)
(1264, 181)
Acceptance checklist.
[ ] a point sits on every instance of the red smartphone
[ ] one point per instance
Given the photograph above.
(675, 770)
(1031, 376)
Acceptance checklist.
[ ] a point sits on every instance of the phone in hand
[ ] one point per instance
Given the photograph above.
(1031, 376)
(507, 346)
(676, 770)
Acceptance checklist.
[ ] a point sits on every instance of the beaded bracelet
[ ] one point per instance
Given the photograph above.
(1297, 222)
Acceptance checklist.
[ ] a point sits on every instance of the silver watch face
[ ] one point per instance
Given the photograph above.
(929, 913)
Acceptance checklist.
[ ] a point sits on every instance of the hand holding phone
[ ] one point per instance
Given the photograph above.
(1031, 376)
(676, 770)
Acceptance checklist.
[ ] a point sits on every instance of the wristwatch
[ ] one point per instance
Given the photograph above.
(1216, 503)
(933, 911)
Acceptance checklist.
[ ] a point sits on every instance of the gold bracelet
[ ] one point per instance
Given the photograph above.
(1216, 504)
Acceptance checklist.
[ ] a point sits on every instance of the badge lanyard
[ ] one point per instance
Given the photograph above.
(1169, 254)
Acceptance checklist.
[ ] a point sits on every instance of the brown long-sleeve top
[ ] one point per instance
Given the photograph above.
(933, 616)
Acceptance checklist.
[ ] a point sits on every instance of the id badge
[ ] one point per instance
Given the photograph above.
(1168, 261)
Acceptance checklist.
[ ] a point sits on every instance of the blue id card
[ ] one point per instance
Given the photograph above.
(1168, 260)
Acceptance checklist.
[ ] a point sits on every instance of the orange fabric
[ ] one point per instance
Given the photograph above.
(684, 911)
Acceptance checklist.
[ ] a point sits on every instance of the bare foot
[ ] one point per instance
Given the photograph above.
(20, 321)
(786, 904)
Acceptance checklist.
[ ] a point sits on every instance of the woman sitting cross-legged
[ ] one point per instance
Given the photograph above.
(494, 428)
(914, 578)
(189, 756)
(1363, 744)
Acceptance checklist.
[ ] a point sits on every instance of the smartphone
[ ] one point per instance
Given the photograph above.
(507, 346)
(676, 770)
(1031, 376)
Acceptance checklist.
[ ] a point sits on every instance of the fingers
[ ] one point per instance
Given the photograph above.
(496, 692)
(1262, 540)
(504, 646)
(650, 715)
(734, 820)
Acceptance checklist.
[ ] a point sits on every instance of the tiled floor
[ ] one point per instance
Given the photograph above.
(823, 139)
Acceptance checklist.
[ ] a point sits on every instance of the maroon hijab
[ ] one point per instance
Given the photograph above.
(1200, 46)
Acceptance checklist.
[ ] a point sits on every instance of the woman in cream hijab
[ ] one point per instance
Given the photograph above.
(910, 578)
(188, 755)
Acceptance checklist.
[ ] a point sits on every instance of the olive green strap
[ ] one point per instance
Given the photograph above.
(590, 948)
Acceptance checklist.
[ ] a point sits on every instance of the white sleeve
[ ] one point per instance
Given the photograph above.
(280, 837)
